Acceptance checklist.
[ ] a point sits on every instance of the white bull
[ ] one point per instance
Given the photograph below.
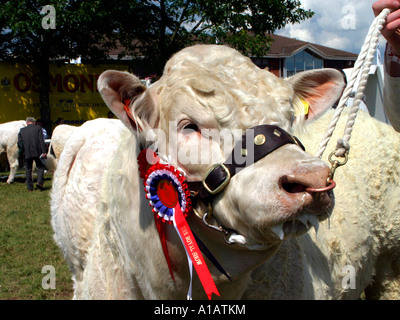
(100, 216)
(79, 173)
(9, 144)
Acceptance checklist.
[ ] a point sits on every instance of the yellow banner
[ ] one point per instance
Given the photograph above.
(73, 92)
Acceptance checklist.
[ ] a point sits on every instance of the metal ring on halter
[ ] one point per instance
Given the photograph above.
(198, 214)
(201, 216)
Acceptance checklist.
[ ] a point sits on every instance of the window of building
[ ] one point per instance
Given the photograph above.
(261, 62)
(308, 61)
(289, 66)
(303, 60)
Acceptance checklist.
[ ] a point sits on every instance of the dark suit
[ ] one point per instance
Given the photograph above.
(31, 143)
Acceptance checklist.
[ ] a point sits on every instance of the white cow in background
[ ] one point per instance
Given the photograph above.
(9, 144)
(59, 138)
(106, 229)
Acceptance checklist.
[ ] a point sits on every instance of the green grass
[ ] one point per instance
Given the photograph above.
(27, 245)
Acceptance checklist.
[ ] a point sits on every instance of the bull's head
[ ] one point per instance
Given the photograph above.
(205, 101)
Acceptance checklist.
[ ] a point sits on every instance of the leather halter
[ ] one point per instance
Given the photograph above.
(264, 139)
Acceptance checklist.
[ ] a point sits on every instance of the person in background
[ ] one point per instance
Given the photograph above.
(110, 115)
(391, 32)
(31, 144)
(59, 121)
(40, 123)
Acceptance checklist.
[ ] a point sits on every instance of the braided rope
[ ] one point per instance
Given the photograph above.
(361, 66)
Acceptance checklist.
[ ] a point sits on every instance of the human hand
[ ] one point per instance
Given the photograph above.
(391, 30)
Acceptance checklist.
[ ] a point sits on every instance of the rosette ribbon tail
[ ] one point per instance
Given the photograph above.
(211, 257)
(193, 252)
(161, 233)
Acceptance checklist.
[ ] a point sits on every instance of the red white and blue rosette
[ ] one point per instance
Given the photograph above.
(165, 186)
(169, 197)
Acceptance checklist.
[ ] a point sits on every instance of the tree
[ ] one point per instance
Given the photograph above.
(32, 31)
(243, 24)
(148, 30)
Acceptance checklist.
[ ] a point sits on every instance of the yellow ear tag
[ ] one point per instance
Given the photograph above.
(306, 106)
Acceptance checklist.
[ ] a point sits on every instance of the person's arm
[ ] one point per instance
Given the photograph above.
(41, 143)
(392, 61)
(391, 29)
(391, 89)
(391, 32)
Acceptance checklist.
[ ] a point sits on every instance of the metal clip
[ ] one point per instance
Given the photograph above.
(217, 228)
(335, 164)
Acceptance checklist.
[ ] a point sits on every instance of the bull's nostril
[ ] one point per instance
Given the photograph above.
(293, 187)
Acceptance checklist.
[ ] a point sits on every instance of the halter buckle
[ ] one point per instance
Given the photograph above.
(222, 185)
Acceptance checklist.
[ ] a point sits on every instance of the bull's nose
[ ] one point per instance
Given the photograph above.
(303, 207)
(298, 191)
(305, 181)
(300, 201)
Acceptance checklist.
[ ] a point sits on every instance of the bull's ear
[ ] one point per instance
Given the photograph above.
(317, 90)
(128, 99)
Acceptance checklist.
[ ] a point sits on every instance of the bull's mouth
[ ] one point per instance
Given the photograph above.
(296, 227)
(285, 230)
(298, 224)
(233, 237)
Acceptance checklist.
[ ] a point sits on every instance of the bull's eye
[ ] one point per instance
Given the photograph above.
(191, 126)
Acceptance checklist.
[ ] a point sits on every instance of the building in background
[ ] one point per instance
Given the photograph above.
(288, 56)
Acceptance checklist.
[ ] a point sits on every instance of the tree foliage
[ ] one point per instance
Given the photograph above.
(167, 26)
(80, 27)
(148, 30)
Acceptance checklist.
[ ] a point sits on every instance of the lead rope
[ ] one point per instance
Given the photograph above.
(361, 66)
